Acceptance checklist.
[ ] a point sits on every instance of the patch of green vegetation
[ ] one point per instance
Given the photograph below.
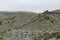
(36, 38)
(1, 22)
(57, 35)
(10, 18)
(46, 36)
(52, 21)
(1, 38)
(34, 19)
(47, 17)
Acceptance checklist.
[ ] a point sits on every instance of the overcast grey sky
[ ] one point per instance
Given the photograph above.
(29, 5)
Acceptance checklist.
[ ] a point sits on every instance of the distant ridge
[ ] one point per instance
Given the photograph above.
(58, 10)
(12, 12)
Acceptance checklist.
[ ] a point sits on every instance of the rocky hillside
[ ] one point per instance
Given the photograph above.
(30, 26)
